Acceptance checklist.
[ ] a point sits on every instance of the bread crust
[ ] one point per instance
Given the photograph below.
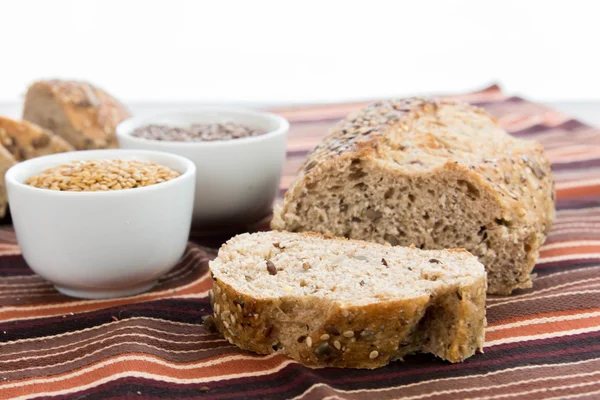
(92, 113)
(25, 140)
(427, 138)
(6, 161)
(320, 332)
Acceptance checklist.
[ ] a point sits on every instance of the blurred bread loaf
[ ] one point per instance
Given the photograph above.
(22, 140)
(25, 140)
(6, 161)
(82, 114)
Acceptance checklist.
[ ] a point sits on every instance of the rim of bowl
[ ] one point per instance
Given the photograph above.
(9, 176)
(126, 127)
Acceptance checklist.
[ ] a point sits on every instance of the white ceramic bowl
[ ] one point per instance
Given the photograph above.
(236, 180)
(102, 244)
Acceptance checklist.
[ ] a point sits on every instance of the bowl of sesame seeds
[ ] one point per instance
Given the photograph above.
(102, 223)
(238, 154)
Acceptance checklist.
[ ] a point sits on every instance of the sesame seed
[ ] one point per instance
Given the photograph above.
(232, 319)
(324, 336)
(345, 313)
(374, 354)
(348, 334)
(309, 341)
(217, 308)
(226, 324)
(239, 307)
(337, 344)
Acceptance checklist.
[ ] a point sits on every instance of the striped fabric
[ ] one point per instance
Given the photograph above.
(542, 343)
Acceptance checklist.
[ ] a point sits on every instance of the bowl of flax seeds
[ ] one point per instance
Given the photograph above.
(239, 155)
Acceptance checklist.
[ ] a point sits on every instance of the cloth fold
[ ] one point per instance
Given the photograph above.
(541, 343)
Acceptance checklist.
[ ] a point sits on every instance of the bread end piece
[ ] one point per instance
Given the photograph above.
(25, 140)
(82, 114)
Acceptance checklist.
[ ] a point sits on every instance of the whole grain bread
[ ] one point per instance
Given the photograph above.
(433, 173)
(343, 303)
(6, 161)
(82, 114)
(25, 140)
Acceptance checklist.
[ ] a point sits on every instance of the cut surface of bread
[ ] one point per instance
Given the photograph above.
(433, 173)
(344, 303)
(83, 115)
(25, 140)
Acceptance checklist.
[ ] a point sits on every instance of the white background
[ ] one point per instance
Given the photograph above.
(304, 51)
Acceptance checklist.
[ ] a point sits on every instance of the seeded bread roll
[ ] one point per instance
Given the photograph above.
(84, 115)
(343, 303)
(436, 174)
(25, 140)
(6, 161)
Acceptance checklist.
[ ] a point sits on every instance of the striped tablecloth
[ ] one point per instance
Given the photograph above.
(542, 343)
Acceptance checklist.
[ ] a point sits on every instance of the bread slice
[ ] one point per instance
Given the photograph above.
(433, 173)
(83, 115)
(6, 161)
(344, 303)
(25, 140)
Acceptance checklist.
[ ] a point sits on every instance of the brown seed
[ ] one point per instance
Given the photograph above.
(305, 266)
(278, 245)
(324, 351)
(204, 389)
(209, 323)
(434, 261)
(384, 262)
(271, 268)
(301, 338)
(372, 214)
(332, 330)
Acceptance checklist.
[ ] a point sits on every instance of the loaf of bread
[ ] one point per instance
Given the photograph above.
(25, 140)
(83, 115)
(433, 173)
(343, 303)
(6, 161)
